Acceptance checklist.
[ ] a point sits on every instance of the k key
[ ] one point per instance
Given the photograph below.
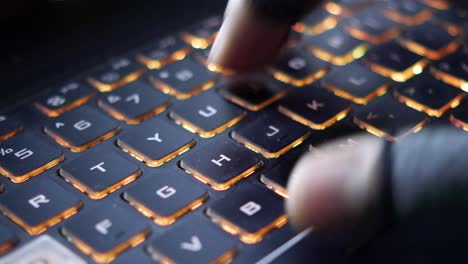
(25, 156)
(81, 129)
(115, 73)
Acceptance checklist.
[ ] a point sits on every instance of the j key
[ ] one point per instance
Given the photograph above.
(162, 52)
(427, 94)
(454, 20)
(64, 98)
(298, 67)
(196, 241)
(39, 204)
(207, 115)
(7, 239)
(166, 197)
(183, 79)
(203, 35)
(459, 116)
(277, 177)
(103, 234)
(356, 82)
(408, 12)
(453, 69)
(115, 73)
(316, 22)
(346, 7)
(9, 126)
(221, 164)
(336, 47)
(430, 40)
(100, 172)
(271, 135)
(26, 156)
(251, 212)
(314, 107)
(81, 128)
(254, 95)
(155, 142)
(385, 116)
(393, 61)
(372, 26)
(134, 102)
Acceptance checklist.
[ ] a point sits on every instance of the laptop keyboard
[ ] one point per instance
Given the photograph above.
(155, 155)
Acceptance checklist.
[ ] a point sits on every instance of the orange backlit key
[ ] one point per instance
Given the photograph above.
(115, 73)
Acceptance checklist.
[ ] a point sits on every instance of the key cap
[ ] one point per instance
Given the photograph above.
(7, 239)
(385, 116)
(162, 52)
(203, 35)
(251, 213)
(455, 20)
(100, 172)
(81, 129)
(64, 98)
(318, 21)
(336, 47)
(196, 241)
(115, 73)
(453, 69)
(314, 107)
(298, 67)
(408, 12)
(437, 4)
(277, 177)
(346, 7)
(427, 94)
(459, 116)
(134, 102)
(137, 255)
(9, 126)
(206, 115)
(429, 40)
(25, 156)
(166, 197)
(155, 142)
(393, 61)
(221, 164)
(255, 94)
(43, 249)
(271, 135)
(183, 79)
(356, 82)
(371, 26)
(39, 204)
(103, 233)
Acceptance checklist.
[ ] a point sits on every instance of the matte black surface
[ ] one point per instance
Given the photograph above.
(392, 56)
(455, 64)
(429, 35)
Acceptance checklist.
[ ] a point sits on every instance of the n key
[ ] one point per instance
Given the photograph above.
(26, 156)
(81, 129)
(39, 204)
(115, 73)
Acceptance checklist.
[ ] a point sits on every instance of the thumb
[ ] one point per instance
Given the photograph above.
(424, 172)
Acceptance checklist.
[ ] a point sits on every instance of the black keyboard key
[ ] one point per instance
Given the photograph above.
(115, 73)
(155, 142)
(39, 204)
(62, 99)
(336, 47)
(100, 172)
(427, 94)
(202, 35)
(408, 12)
(183, 79)
(459, 116)
(314, 107)
(221, 164)
(166, 197)
(277, 177)
(105, 232)
(196, 241)
(7, 239)
(316, 22)
(271, 135)
(162, 52)
(356, 82)
(429, 40)
(393, 61)
(9, 126)
(453, 69)
(347, 7)
(250, 212)
(134, 102)
(298, 67)
(371, 26)
(206, 115)
(437, 4)
(26, 156)
(455, 20)
(81, 128)
(385, 117)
